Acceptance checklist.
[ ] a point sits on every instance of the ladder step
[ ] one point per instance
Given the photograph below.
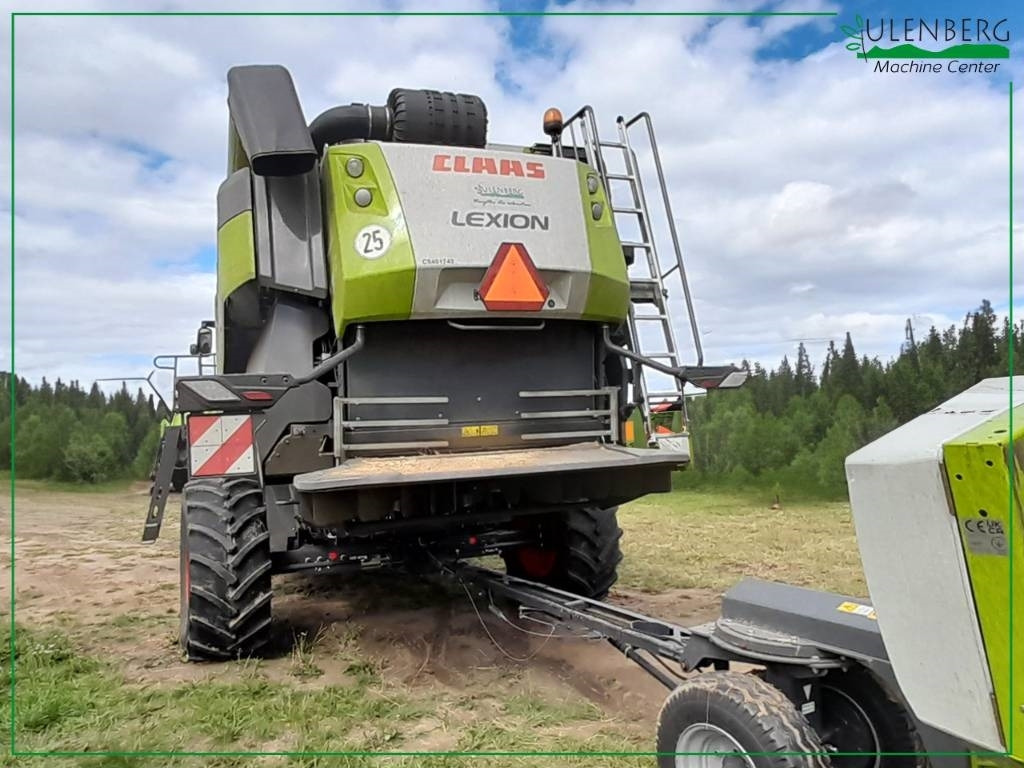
(619, 176)
(637, 211)
(670, 393)
(635, 244)
(650, 317)
(612, 144)
(662, 356)
(645, 290)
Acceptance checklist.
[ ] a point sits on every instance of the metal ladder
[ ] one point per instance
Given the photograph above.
(650, 287)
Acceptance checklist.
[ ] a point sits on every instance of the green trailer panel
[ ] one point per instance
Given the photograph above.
(979, 464)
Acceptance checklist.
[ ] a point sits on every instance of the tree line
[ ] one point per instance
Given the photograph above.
(64, 432)
(790, 428)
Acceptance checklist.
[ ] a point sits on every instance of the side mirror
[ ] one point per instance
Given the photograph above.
(204, 342)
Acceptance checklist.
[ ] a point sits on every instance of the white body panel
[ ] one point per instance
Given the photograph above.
(461, 204)
(915, 568)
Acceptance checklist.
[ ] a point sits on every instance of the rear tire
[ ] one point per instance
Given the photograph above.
(859, 716)
(225, 569)
(437, 117)
(723, 712)
(579, 553)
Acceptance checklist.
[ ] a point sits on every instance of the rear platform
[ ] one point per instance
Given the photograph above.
(369, 472)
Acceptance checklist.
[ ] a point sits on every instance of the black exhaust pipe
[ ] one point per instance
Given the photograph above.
(356, 121)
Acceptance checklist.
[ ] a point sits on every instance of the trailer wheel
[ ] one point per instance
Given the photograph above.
(225, 569)
(580, 553)
(859, 716)
(730, 712)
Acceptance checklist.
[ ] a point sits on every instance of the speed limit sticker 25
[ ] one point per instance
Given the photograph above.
(373, 241)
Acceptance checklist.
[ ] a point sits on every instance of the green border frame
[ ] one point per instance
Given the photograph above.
(142, 754)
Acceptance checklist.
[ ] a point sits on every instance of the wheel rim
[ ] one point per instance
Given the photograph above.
(849, 730)
(537, 563)
(702, 740)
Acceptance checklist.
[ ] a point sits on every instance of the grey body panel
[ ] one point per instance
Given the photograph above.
(286, 340)
(234, 196)
(405, 470)
(806, 615)
(289, 234)
(267, 116)
(477, 373)
(282, 515)
(309, 403)
(814, 625)
(447, 214)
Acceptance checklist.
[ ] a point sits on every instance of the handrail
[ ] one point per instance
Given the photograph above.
(691, 313)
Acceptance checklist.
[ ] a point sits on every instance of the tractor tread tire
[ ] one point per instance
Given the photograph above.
(586, 541)
(437, 117)
(226, 567)
(594, 552)
(757, 715)
(893, 724)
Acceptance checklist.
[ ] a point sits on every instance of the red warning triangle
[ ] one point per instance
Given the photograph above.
(512, 282)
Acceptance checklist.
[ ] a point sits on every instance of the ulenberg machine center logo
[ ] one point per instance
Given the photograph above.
(914, 45)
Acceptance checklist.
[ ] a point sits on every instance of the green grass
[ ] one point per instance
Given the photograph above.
(25, 484)
(713, 538)
(69, 701)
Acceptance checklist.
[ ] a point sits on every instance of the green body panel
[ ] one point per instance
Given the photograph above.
(608, 294)
(236, 254)
(995, 762)
(236, 266)
(978, 466)
(176, 420)
(365, 289)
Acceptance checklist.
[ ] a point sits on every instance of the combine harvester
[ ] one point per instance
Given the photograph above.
(431, 348)
(426, 346)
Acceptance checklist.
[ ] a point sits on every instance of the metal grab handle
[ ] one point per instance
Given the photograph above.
(334, 360)
(148, 380)
(472, 327)
(630, 355)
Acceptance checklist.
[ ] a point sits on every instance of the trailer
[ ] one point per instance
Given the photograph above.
(791, 676)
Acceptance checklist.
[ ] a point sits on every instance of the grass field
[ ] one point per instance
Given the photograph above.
(367, 664)
(713, 539)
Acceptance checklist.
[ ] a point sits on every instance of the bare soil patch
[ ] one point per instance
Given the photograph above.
(80, 565)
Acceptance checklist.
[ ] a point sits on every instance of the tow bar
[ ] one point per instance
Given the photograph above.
(816, 682)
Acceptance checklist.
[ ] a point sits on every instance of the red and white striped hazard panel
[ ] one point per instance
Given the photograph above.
(220, 445)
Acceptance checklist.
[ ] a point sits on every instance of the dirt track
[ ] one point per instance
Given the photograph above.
(80, 565)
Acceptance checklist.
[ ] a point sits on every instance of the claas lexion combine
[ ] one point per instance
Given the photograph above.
(427, 345)
(430, 348)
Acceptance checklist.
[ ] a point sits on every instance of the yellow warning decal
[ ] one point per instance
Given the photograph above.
(858, 608)
(480, 430)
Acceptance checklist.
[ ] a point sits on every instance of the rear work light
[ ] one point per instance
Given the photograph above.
(211, 391)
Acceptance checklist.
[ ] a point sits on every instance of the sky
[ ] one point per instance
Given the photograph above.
(812, 195)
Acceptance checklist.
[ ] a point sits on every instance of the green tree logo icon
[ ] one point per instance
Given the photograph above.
(856, 37)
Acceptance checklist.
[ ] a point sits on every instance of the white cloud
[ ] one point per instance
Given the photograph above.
(812, 196)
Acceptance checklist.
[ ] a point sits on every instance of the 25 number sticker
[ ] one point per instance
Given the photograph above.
(373, 241)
